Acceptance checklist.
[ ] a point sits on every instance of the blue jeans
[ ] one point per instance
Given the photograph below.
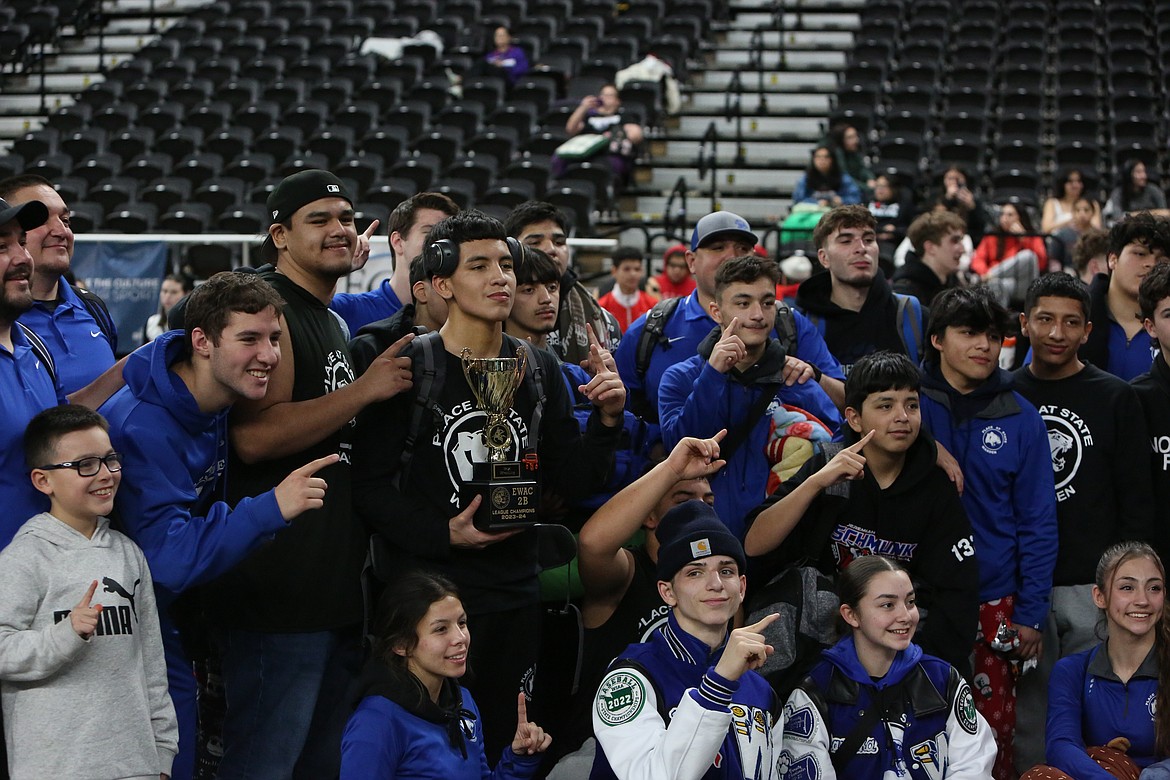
(285, 702)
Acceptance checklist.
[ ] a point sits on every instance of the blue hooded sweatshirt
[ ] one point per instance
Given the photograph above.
(173, 461)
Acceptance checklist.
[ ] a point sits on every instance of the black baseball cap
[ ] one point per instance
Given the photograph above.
(29, 216)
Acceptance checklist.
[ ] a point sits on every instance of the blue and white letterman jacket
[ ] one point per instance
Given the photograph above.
(662, 711)
(927, 729)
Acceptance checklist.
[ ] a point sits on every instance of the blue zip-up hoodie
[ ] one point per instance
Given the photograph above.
(1088, 704)
(696, 400)
(173, 459)
(1001, 444)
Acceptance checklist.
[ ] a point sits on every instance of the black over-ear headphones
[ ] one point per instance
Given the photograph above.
(441, 258)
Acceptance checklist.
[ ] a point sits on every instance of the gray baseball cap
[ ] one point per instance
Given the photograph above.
(722, 224)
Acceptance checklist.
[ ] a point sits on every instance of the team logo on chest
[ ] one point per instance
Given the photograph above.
(1068, 439)
(993, 439)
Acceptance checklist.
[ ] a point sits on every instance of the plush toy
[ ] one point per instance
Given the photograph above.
(794, 436)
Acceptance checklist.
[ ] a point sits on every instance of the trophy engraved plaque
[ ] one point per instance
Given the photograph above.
(509, 497)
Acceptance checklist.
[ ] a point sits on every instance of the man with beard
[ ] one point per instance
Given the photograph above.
(27, 384)
(852, 305)
(287, 619)
(73, 322)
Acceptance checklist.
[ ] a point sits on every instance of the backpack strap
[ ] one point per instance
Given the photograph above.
(101, 314)
(430, 377)
(40, 350)
(534, 378)
(652, 335)
(786, 327)
(910, 325)
(737, 437)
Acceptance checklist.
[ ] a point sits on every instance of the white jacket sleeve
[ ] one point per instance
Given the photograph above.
(970, 741)
(28, 654)
(806, 740)
(636, 741)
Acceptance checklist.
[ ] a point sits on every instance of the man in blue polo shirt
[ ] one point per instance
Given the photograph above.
(409, 225)
(717, 238)
(74, 323)
(27, 385)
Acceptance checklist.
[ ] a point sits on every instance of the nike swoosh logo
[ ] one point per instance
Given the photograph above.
(95, 333)
(676, 338)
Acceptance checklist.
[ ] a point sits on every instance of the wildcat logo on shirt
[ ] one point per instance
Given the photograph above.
(338, 374)
(994, 438)
(1068, 438)
(461, 439)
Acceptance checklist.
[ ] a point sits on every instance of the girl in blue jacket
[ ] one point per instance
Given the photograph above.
(877, 706)
(1121, 687)
(414, 720)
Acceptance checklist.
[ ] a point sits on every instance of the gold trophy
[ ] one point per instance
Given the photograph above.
(509, 499)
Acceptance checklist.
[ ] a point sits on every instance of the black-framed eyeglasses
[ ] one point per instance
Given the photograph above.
(88, 467)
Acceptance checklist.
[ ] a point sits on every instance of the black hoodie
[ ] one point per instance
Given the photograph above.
(1153, 391)
(918, 279)
(918, 520)
(851, 335)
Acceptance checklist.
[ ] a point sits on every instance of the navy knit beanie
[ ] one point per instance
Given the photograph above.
(691, 531)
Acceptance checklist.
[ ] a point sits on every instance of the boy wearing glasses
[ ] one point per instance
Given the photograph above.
(81, 660)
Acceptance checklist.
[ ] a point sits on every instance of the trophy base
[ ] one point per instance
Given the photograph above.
(509, 501)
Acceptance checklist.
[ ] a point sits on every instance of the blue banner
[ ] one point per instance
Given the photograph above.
(127, 277)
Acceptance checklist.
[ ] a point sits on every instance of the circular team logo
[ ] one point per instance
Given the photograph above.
(994, 438)
(501, 497)
(1066, 447)
(620, 698)
(464, 446)
(1152, 705)
(965, 710)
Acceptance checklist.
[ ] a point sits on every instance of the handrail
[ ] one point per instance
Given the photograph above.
(673, 228)
(733, 109)
(756, 60)
(711, 136)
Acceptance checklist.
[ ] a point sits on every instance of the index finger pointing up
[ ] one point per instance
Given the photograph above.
(521, 709)
(864, 440)
(85, 601)
(732, 327)
(368, 232)
(763, 623)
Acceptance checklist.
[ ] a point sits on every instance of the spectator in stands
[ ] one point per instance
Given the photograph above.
(1009, 259)
(621, 604)
(958, 197)
(1062, 243)
(626, 301)
(413, 717)
(601, 114)
(894, 211)
(73, 322)
(1094, 423)
(881, 494)
(84, 684)
(1002, 447)
(937, 238)
(168, 423)
(1068, 187)
(545, 227)
(737, 377)
(287, 619)
(1153, 391)
(845, 141)
(506, 57)
(413, 499)
(1134, 192)
(645, 354)
(1092, 696)
(687, 703)
(1118, 343)
(174, 287)
(426, 311)
(824, 184)
(852, 305)
(675, 281)
(1090, 254)
(407, 228)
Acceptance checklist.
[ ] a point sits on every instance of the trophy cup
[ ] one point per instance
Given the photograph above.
(509, 498)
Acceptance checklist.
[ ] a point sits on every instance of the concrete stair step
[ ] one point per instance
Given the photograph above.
(716, 78)
(776, 153)
(30, 105)
(766, 128)
(729, 180)
(823, 60)
(800, 5)
(750, 20)
(119, 43)
(761, 212)
(751, 102)
(54, 82)
(796, 39)
(145, 7)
